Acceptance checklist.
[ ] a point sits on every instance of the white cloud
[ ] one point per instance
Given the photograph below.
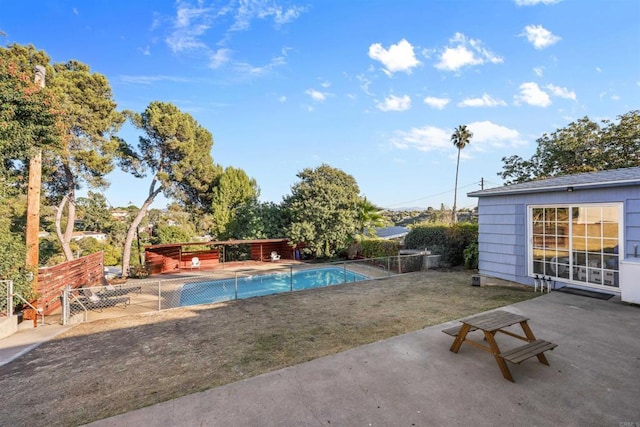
(534, 2)
(219, 58)
(438, 103)
(263, 9)
(539, 71)
(539, 36)
(463, 52)
(192, 21)
(189, 24)
(282, 99)
(399, 57)
(530, 93)
(561, 92)
(75, 11)
(598, 69)
(487, 133)
(246, 69)
(146, 51)
(485, 101)
(395, 103)
(428, 138)
(316, 95)
(364, 84)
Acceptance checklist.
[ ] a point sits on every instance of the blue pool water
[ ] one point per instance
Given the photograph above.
(265, 284)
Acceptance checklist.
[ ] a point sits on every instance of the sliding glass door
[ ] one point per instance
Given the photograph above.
(577, 243)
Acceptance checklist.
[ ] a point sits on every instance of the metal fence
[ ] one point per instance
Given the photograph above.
(6, 303)
(207, 287)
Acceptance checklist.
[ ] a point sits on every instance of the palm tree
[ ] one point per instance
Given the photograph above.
(369, 218)
(460, 138)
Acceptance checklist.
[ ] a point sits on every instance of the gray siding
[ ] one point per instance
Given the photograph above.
(632, 225)
(500, 239)
(502, 226)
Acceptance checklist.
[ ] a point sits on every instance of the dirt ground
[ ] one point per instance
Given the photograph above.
(106, 367)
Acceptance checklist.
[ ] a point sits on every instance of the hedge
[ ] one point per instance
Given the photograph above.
(375, 248)
(450, 241)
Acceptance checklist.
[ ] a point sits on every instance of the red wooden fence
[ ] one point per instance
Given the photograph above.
(86, 271)
(171, 256)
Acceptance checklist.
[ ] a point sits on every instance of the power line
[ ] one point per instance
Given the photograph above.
(433, 195)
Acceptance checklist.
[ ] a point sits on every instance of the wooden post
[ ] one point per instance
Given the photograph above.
(33, 213)
(33, 200)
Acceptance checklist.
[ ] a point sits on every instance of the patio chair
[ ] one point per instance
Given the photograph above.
(195, 262)
(275, 256)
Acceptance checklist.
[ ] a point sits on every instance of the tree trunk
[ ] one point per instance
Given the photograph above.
(65, 238)
(126, 254)
(454, 218)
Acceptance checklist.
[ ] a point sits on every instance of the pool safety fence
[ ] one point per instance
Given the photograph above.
(206, 287)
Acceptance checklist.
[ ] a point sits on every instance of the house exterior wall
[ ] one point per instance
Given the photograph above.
(502, 234)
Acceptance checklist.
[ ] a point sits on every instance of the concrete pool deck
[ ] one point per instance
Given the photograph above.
(414, 380)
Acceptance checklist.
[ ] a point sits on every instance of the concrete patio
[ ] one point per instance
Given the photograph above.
(414, 380)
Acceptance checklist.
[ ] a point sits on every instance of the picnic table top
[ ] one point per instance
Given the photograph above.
(494, 320)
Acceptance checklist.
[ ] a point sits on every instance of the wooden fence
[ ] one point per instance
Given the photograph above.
(262, 251)
(86, 271)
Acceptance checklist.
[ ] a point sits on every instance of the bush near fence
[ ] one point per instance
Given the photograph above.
(374, 248)
(450, 241)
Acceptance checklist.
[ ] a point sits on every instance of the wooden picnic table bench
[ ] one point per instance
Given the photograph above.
(496, 321)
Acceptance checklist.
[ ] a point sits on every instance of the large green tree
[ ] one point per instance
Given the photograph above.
(258, 220)
(232, 190)
(460, 138)
(89, 149)
(581, 146)
(94, 213)
(176, 151)
(29, 122)
(87, 119)
(30, 117)
(323, 210)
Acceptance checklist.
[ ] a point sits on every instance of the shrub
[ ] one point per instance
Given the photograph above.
(138, 272)
(471, 256)
(427, 236)
(447, 240)
(375, 248)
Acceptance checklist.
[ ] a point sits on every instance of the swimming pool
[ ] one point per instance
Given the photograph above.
(264, 284)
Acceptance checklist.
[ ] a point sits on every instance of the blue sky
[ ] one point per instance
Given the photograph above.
(374, 88)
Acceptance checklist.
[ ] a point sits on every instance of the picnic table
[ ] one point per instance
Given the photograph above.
(497, 321)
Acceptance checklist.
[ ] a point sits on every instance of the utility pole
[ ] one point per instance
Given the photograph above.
(33, 200)
(482, 183)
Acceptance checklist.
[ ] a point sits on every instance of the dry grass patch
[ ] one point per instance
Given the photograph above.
(103, 368)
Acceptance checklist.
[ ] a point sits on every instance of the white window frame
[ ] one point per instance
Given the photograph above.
(570, 206)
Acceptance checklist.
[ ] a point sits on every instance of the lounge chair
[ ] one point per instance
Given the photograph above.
(195, 262)
(87, 300)
(109, 291)
(275, 256)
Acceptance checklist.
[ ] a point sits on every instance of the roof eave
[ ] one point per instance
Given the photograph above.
(555, 188)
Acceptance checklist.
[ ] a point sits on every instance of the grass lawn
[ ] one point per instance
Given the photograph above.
(107, 367)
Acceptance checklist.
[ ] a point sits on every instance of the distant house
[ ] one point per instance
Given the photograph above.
(79, 235)
(577, 230)
(119, 214)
